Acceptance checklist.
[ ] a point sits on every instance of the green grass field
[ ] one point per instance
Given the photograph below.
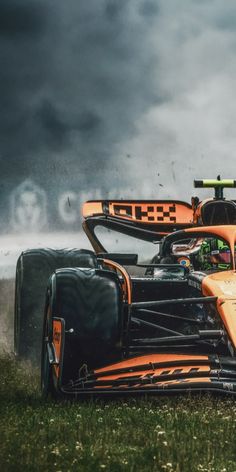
(144, 434)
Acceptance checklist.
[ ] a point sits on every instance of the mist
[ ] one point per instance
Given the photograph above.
(116, 98)
(76, 75)
(191, 133)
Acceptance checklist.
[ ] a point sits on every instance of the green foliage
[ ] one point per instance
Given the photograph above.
(176, 434)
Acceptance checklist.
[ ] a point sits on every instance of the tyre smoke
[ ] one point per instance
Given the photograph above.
(135, 95)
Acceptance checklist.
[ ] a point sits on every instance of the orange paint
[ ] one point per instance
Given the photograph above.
(149, 359)
(150, 373)
(197, 217)
(179, 381)
(57, 342)
(223, 286)
(152, 212)
(124, 273)
(92, 208)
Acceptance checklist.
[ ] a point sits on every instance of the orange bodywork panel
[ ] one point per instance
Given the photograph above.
(57, 342)
(160, 212)
(91, 209)
(149, 359)
(155, 359)
(179, 381)
(223, 286)
(197, 216)
(143, 373)
(127, 282)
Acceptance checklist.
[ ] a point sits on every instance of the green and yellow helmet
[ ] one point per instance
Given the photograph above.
(214, 253)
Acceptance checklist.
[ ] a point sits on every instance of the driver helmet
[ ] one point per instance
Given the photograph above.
(214, 253)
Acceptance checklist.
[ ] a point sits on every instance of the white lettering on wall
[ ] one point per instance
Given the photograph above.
(28, 207)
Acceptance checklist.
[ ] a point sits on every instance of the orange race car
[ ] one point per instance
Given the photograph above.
(160, 321)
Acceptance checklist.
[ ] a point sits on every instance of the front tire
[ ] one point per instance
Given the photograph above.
(91, 305)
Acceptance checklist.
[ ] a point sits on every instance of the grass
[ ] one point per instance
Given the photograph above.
(153, 434)
(7, 287)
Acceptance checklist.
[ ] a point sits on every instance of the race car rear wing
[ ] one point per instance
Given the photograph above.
(149, 220)
(159, 212)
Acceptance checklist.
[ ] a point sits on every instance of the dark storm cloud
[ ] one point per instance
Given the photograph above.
(149, 8)
(54, 129)
(113, 8)
(84, 83)
(191, 133)
(75, 77)
(20, 19)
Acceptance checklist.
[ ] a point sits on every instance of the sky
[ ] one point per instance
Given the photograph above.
(123, 98)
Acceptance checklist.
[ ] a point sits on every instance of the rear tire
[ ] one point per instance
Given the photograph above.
(34, 267)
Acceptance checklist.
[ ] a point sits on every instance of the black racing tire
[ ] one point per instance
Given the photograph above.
(34, 267)
(91, 304)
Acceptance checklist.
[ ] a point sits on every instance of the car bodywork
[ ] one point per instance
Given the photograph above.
(179, 323)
